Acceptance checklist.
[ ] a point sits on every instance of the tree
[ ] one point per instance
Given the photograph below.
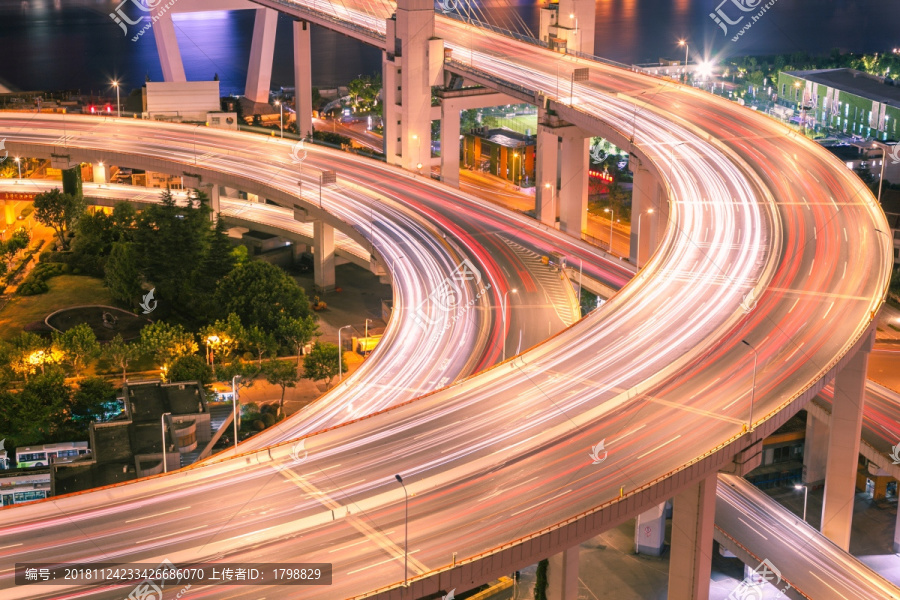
(224, 336)
(540, 582)
(37, 413)
(77, 346)
(297, 332)
(59, 211)
(246, 370)
(120, 353)
(261, 294)
(30, 352)
(167, 342)
(283, 374)
(121, 274)
(17, 242)
(190, 368)
(322, 362)
(90, 402)
(260, 342)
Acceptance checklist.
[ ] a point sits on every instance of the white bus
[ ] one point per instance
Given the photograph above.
(40, 456)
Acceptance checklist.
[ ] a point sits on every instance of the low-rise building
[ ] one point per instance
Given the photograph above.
(501, 152)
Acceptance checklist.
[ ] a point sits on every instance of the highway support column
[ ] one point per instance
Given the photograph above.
(98, 171)
(815, 450)
(650, 531)
(693, 518)
(562, 575)
(647, 212)
(573, 189)
(546, 201)
(843, 446)
(323, 256)
(303, 77)
(167, 48)
(214, 202)
(411, 63)
(262, 53)
(897, 533)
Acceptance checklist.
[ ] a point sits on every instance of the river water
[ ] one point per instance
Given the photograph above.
(73, 44)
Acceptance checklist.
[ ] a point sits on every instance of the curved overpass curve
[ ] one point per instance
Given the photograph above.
(498, 464)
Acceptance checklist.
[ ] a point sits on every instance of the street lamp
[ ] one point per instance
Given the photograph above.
(162, 423)
(503, 310)
(649, 211)
(418, 149)
(115, 84)
(280, 115)
(19, 164)
(405, 533)
(234, 406)
(341, 354)
(612, 217)
(212, 340)
(572, 16)
(880, 178)
(753, 389)
(797, 486)
(367, 329)
(686, 48)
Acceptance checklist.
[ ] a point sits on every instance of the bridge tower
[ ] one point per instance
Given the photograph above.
(412, 62)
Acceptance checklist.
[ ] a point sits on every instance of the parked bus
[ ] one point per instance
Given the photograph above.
(40, 456)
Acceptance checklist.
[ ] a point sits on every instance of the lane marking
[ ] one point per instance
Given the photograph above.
(159, 537)
(159, 514)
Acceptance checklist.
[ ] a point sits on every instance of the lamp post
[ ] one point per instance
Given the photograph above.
(753, 389)
(880, 178)
(162, 424)
(572, 16)
(341, 354)
(212, 340)
(686, 48)
(503, 310)
(19, 164)
(115, 84)
(418, 149)
(805, 496)
(405, 533)
(234, 406)
(649, 211)
(552, 189)
(367, 329)
(612, 217)
(280, 115)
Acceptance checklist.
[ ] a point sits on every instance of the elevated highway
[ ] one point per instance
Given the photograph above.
(761, 229)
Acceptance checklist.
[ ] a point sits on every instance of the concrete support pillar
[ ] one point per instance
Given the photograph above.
(693, 517)
(412, 64)
(573, 189)
(843, 447)
(815, 450)
(323, 256)
(546, 205)
(262, 53)
(578, 18)
(450, 143)
(897, 533)
(214, 202)
(303, 77)
(167, 48)
(562, 575)
(645, 213)
(650, 531)
(99, 172)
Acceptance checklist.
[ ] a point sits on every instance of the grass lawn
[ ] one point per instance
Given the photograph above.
(65, 290)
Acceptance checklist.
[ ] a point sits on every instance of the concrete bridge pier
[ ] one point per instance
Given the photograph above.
(573, 189)
(412, 63)
(546, 202)
(99, 171)
(214, 201)
(562, 575)
(649, 212)
(897, 533)
(262, 53)
(815, 450)
(693, 520)
(303, 77)
(167, 48)
(843, 446)
(650, 531)
(323, 257)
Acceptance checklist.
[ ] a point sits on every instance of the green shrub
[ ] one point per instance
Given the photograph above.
(268, 419)
(259, 425)
(33, 287)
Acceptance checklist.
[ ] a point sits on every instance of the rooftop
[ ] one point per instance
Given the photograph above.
(854, 82)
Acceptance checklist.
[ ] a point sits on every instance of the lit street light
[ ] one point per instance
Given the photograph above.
(686, 48)
(341, 354)
(612, 217)
(805, 496)
(19, 164)
(503, 310)
(572, 16)
(753, 389)
(552, 189)
(162, 423)
(115, 84)
(211, 342)
(405, 534)
(280, 115)
(234, 406)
